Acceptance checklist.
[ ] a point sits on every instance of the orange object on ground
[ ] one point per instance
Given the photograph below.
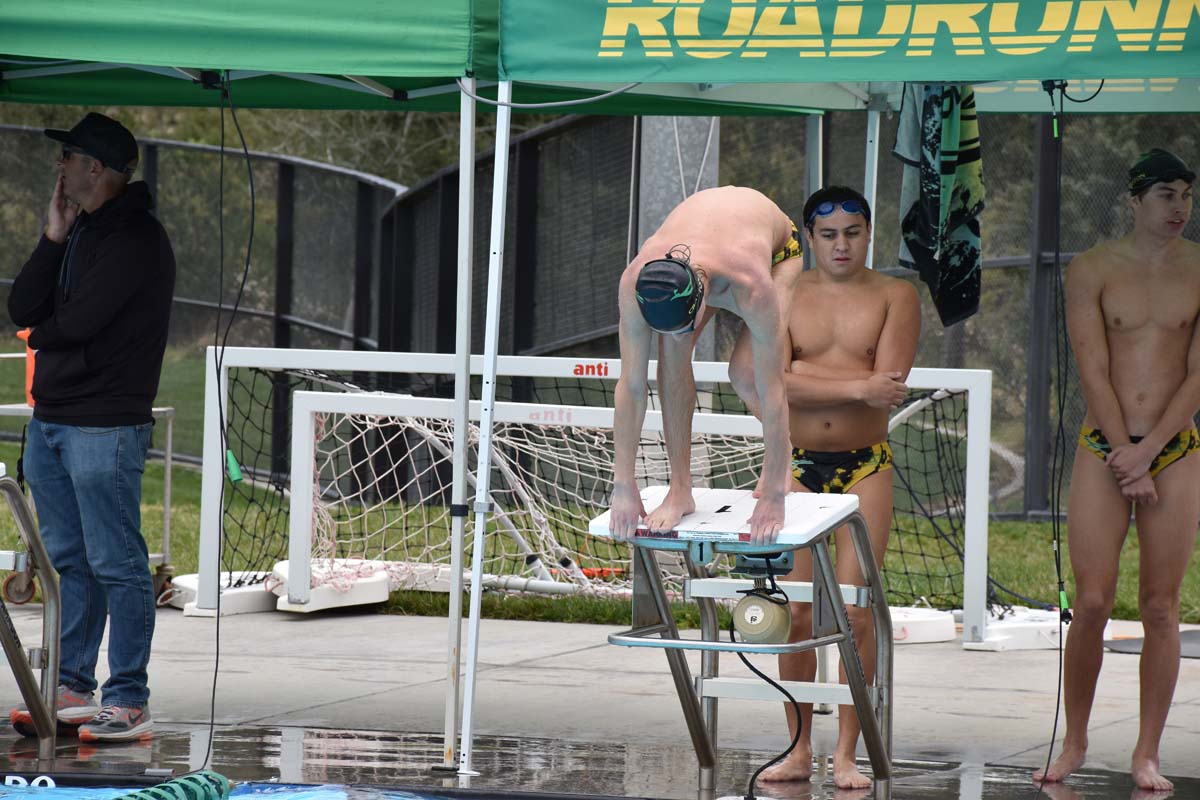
(29, 364)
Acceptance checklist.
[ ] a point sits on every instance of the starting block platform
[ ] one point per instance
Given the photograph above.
(720, 525)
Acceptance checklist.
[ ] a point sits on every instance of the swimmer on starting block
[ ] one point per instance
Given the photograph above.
(1132, 307)
(730, 248)
(853, 336)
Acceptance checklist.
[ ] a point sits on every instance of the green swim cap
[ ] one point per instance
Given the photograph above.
(669, 294)
(1157, 166)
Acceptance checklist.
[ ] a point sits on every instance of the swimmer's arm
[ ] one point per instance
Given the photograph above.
(1085, 326)
(1183, 405)
(901, 331)
(629, 412)
(825, 372)
(820, 385)
(767, 354)
(818, 392)
(629, 399)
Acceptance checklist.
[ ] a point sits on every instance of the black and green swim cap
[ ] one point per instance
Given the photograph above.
(669, 294)
(1157, 166)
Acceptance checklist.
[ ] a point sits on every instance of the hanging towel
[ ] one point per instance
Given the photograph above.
(942, 194)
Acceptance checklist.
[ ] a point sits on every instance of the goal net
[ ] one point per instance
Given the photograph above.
(381, 459)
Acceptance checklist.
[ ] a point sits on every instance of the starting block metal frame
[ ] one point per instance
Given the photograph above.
(810, 520)
(41, 697)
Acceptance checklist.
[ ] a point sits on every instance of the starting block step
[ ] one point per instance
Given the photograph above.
(755, 689)
(797, 591)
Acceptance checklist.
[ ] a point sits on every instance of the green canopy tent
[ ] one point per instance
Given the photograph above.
(832, 55)
(383, 55)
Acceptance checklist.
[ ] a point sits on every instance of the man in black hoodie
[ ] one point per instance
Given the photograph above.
(97, 294)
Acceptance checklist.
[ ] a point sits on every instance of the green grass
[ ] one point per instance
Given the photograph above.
(1020, 557)
(593, 610)
(181, 387)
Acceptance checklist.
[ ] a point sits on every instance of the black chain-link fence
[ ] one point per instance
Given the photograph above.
(341, 261)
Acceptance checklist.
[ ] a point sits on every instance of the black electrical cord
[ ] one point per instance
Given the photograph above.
(220, 341)
(778, 597)
(1087, 99)
(1062, 362)
(1057, 451)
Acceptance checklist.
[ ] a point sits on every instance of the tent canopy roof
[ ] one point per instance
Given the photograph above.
(358, 54)
(376, 38)
(833, 55)
(719, 56)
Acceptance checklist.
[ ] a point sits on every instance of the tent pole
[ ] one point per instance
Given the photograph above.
(462, 416)
(871, 176)
(814, 163)
(487, 400)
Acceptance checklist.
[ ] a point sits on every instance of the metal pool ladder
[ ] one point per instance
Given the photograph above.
(40, 700)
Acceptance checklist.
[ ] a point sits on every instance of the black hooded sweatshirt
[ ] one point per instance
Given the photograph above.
(99, 306)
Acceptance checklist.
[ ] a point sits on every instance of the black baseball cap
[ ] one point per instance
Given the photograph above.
(669, 293)
(102, 138)
(1157, 166)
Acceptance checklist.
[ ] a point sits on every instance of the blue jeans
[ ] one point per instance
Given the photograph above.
(87, 487)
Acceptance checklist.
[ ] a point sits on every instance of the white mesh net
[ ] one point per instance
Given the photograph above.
(382, 484)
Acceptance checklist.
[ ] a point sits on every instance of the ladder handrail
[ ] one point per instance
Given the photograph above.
(42, 704)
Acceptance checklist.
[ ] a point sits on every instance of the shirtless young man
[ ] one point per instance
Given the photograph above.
(1132, 308)
(853, 336)
(730, 248)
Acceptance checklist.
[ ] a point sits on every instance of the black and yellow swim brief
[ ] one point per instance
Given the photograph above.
(792, 249)
(1179, 446)
(837, 472)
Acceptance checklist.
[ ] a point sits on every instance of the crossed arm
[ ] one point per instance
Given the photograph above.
(817, 385)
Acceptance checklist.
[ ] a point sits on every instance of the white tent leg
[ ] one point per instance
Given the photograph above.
(814, 152)
(871, 176)
(814, 160)
(462, 418)
(487, 403)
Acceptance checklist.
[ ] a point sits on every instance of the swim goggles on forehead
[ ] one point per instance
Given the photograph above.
(829, 206)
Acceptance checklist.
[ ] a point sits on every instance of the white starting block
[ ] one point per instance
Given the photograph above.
(720, 524)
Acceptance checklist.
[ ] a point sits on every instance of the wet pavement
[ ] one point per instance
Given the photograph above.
(358, 698)
(511, 765)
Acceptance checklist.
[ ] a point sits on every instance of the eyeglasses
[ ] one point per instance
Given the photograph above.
(829, 206)
(69, 151)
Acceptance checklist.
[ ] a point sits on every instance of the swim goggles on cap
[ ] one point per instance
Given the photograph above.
(829, 206)
(669, 293)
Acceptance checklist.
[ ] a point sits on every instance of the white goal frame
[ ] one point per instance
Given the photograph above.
(977, 383)
(307, 404)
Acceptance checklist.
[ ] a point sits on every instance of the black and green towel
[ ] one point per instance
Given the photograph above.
(942, 194)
